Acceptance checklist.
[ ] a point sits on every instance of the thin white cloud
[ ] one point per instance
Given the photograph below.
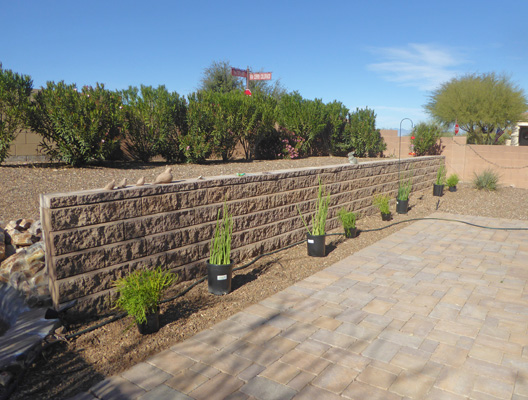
(424, 66)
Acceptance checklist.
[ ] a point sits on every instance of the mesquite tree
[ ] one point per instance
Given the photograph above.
(481, 104)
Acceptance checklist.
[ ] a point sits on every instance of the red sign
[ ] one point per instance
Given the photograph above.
(247, 92)
(239, 72)
(456, 129)
(260, 76)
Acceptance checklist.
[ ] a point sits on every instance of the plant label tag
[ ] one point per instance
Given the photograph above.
(310, 241)
(221, 277)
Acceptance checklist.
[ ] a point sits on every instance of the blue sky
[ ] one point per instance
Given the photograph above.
(387, 55)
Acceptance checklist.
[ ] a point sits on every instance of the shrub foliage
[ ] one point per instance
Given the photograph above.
(15, 90)
(77, 127)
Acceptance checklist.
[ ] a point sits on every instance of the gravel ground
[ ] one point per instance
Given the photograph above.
(70, 367)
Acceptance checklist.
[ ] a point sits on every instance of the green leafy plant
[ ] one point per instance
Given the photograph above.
(140, 292)
(452, 180)
(154, 121)
(220, 249)
(77, 127)
(382, 202)
(15, 90)
(486, 180)
(361, 135)
(404, 189)
(321, 212)
(440, 175)
(426, 139)
(347, 218)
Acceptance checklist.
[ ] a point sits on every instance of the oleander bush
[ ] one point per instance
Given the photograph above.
(77, 126)
(15, 91)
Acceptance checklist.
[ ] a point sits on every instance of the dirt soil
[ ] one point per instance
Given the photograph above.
(69, 367)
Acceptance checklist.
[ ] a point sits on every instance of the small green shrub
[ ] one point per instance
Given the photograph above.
(321, 212)
(77, 126)
(347, 218)
(140, 292)
(15, 90)
(441, 175)
(154, 121)
(452, 180)
(426, 139)
(382, 202)
(220, 250)
(486, 180)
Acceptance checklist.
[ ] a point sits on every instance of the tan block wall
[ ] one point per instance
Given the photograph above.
(510, 162)
(94, 237)
(25, 148)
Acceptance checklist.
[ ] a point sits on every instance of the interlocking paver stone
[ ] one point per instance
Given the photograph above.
(265, 389)
(335, 378)
(116, 387)
(437, 310)
(146, 376)
(164, 392)
(217, 388)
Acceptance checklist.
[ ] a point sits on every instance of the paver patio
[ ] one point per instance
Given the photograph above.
(437, 310)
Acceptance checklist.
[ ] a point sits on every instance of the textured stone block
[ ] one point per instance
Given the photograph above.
(119, 210)
(70, 241)
(75, 217)
(79, 263)
(124, 251)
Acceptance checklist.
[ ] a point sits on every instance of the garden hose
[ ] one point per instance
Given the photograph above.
(200, 280)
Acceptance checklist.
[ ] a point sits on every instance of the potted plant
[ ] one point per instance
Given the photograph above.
(438, 186)
(316, 236)
(140, 295)
(402, 200)
(348, 220)
(452, 181)
(382, 202)
(219, 266)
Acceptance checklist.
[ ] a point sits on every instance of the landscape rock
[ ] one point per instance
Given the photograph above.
(22, 261)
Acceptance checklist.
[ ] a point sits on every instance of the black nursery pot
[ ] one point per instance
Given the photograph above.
(402, 206)
(350, 233)
(151, 326)
(316, 245)
(386, 217)
(219, 278)
(452, 188)
(438, 190)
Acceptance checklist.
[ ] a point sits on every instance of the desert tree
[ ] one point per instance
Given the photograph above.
(481, 104)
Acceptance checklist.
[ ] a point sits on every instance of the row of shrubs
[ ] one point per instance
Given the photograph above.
(94, 123)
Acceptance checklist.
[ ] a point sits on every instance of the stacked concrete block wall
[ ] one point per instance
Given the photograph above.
(94, 237)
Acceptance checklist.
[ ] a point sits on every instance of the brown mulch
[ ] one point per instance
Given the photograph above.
(71, 367)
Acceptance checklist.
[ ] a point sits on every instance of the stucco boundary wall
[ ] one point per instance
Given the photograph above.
(94, 237)
(466, 160)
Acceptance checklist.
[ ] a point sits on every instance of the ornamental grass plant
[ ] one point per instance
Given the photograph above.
(404, 189)
(440, 175)
(220, 249)
(321, 212)
(140, 292)
(347, 218)
(486, 180)
(382, 202)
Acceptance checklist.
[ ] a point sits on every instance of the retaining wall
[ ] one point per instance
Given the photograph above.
(94, 237)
